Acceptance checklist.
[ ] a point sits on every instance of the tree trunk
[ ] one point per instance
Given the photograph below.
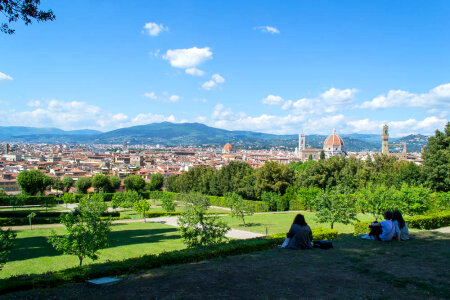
(81, 260)
(243, 220)
(332, 223)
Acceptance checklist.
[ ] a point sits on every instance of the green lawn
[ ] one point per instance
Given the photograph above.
(34, 208)
(353, 269)
(33, 254)
(281, 222)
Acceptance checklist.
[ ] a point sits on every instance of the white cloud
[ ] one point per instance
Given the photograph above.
(187, 58)
(438, 96)
(337, 96)
(34, 103)
(154, 53)
(267, 29)
(272, 100)
(164, 98)
(3, 76)
(77, 115)
(215, 81)
(194, 72)
(174, 98)
(154, 29)
(150, 95)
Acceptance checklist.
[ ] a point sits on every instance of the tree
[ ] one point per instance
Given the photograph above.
(156, 182)
(270, 199)
(31, 216)
(322, 155)
(100, 182)
(118, 200)
(33, 182)
(273, 177)
(26, 10)
(6, 244)
(57, 184)
(114, 182)
(436, 160)
(141, 206)
(67, 181)
(134, 183)
(196, 228)
(2, 192)
(83, 184)
(239, 207)
(335, 207)
(168, 204)
(68, 198)
(86, 231)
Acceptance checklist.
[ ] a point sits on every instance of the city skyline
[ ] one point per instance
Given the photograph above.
(265, 67)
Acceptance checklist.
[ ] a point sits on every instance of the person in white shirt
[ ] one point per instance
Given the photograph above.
(401, 228)
(384, 230)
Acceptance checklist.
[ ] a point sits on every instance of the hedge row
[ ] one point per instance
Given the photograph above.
(258, 206)
(27, 200)
(319, 233)
(41, 219)
(156, 214)
(431, 221)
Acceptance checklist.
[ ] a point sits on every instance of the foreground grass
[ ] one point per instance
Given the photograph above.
(281, 222)
(354, 269)
(34, 255)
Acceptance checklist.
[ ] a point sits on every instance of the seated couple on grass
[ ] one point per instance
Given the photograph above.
(393, 227)
(299, 236)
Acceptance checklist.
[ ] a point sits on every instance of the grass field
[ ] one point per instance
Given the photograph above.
(33, 254)
(354, 269)
(281, 222)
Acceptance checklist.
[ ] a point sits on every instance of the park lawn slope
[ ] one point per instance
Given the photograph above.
(354, 269)
(34, 255)
(281, 222)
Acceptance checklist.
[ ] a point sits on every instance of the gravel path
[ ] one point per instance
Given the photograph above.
(233, 233)
(443, 229)
(172, 221)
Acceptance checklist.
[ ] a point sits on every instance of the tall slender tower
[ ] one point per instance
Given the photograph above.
(385, 140)
(301, 141)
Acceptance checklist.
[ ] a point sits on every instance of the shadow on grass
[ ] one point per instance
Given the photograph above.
(34, 247)
(250, 225)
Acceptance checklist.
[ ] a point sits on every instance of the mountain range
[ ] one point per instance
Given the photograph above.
(174, 134)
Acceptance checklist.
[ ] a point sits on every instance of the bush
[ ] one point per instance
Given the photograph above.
(361, 228)
(296, 205)
(432, 221)
(319, 233)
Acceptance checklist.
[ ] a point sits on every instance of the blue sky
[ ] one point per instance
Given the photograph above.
(289, 67)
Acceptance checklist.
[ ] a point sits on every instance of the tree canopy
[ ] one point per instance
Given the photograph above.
(26, 10)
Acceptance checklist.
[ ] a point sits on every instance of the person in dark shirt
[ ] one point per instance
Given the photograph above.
(300, 234)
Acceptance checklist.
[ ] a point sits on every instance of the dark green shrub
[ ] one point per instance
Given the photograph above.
(319, 233)
(432, 221)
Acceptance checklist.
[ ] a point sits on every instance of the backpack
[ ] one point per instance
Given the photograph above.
(322, 244)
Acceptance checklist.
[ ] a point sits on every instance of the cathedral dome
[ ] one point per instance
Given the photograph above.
(333, 140)
(227, 147)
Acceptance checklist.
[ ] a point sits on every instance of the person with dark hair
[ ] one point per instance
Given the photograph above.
(401, 228)
(384, 230)
(300, 235)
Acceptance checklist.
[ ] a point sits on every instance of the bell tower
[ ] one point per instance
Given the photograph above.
(385, 140)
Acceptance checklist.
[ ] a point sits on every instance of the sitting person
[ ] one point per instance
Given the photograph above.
(299, 236)
(401, 228)
(384, 230)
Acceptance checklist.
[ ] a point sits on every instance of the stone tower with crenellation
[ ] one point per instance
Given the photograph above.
(385, 140)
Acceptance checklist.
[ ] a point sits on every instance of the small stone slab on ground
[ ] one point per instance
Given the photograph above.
(104, 281)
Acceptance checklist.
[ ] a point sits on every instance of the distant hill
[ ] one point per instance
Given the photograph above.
(175, 134)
